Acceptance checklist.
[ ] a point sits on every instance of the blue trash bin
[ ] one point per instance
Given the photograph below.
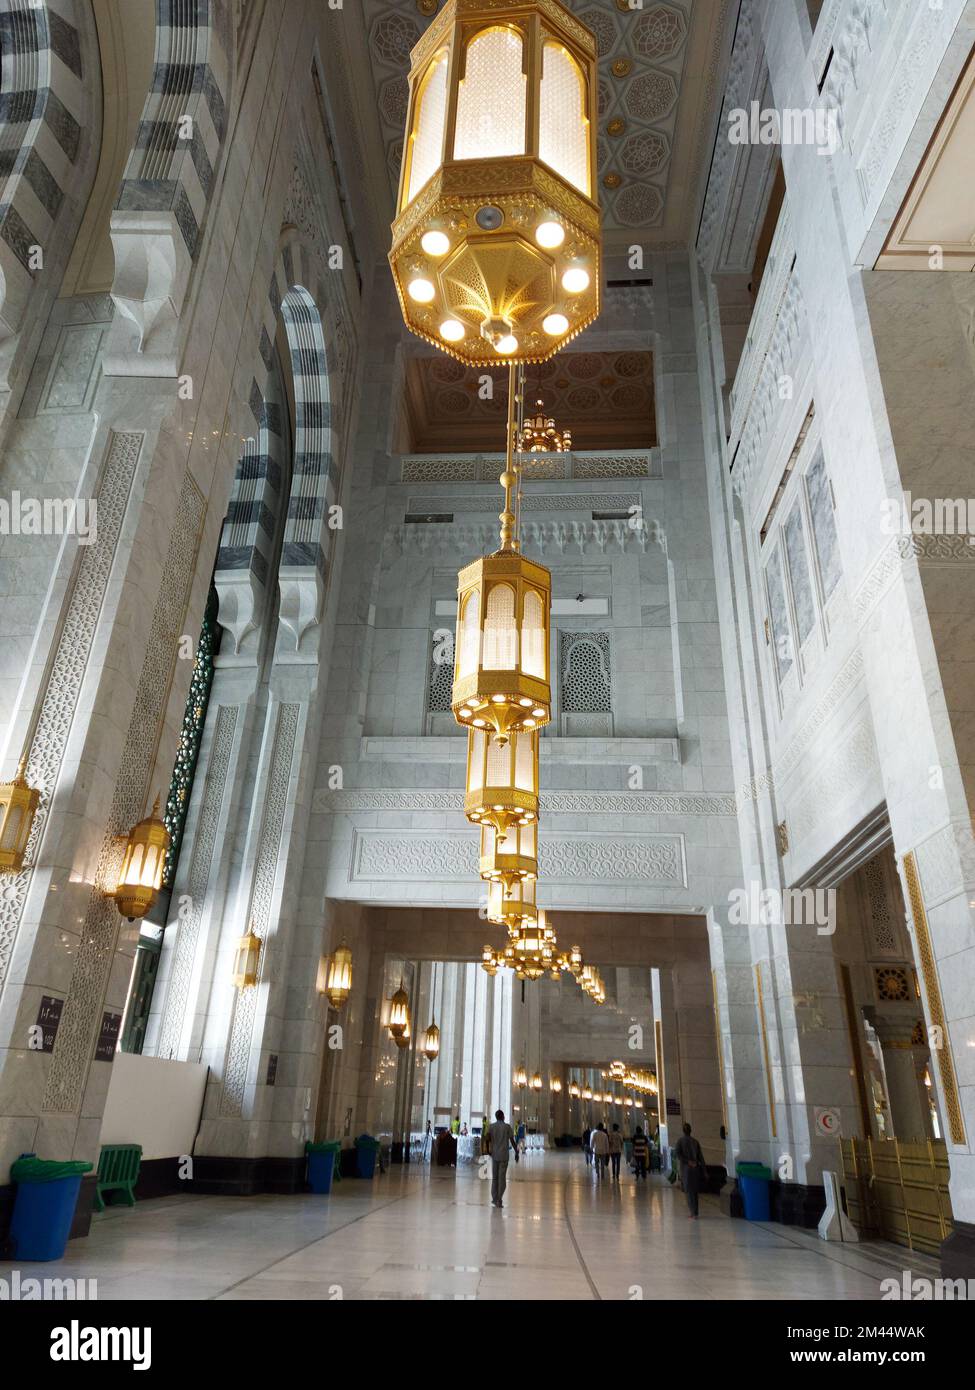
(47, 1194)
(366, 1149)
(753, 1184)
(321, 1166)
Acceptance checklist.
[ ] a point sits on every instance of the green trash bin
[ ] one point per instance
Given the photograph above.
(321, 1165)
(753, 1184)
(367, 1149)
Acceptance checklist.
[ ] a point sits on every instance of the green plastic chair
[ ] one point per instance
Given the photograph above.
(118, 1171)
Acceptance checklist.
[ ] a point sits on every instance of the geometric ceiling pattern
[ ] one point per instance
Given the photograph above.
(604, 398)
(656, 73)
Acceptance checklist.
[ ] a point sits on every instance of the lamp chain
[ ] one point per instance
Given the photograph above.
(510, 540)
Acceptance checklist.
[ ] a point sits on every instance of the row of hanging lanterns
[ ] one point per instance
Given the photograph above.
(636, 1080)
(578, 1091)
(496, 253)
(535, 1083)
(399, 1025)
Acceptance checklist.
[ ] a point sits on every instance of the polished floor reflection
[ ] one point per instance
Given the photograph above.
(417, 1234)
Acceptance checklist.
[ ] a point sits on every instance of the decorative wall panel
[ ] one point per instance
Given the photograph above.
(265, 875)
(552, 803)
(415, 855)
(196, 883)
(82, 1009)
(70, 662)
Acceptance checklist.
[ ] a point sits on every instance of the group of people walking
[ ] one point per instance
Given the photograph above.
(604, 1149)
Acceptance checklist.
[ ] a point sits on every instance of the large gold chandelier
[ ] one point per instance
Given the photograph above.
(496, 245)
(540, 434)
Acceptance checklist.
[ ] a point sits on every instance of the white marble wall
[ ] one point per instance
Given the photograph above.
(820, 753)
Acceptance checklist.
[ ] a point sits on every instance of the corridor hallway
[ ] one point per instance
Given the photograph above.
(421, 1233)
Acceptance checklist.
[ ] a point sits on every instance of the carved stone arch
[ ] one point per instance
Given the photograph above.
(244, 573)
(296, 296)
(172, 173)
(46, 89)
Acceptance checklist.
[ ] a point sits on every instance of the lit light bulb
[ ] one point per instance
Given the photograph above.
(549, 235)
(421, 290)
(435, 243)
(451, 331)
(555, 325)
(507, 345)
(574, 281)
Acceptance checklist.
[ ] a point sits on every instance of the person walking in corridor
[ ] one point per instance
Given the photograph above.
(586, 1135)
(599, 1143)
(615, 1150)
(641, 1153)
(500, 1137)
(690, 1156)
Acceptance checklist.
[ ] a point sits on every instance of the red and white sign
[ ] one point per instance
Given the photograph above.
(828, 1121)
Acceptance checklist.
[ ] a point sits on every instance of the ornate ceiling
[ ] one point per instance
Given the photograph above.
(656, 92)
(605, 398)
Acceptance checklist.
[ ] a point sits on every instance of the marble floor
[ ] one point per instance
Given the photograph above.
(421, 1234)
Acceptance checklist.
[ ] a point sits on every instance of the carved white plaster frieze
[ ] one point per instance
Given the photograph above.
(553, 537)
(389, 856)
(849, 771)
(552, 803)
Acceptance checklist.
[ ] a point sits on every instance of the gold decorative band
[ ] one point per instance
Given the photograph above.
(932, 991)
(768, 1065)
(717, 1038)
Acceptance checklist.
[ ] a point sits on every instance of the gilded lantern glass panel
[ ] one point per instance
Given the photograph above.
(492, 100)
(500, 632)
(563, 127)
(428, 130)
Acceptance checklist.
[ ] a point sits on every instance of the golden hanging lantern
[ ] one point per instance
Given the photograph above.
(521, 1078)
(587, 1094)
(430, 1046)
(513, 908)
(555, 1086)
(402, 1040)
(335, 976)
(536, 1082)
(247, 958)
(399, 1013)
(591, 982)
(574, 1091)
(141, 874)
(502, 780)
(18, 806)
(502, 681)
(540, 434)
(496, 249)
(510, 859)
(491, 960)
